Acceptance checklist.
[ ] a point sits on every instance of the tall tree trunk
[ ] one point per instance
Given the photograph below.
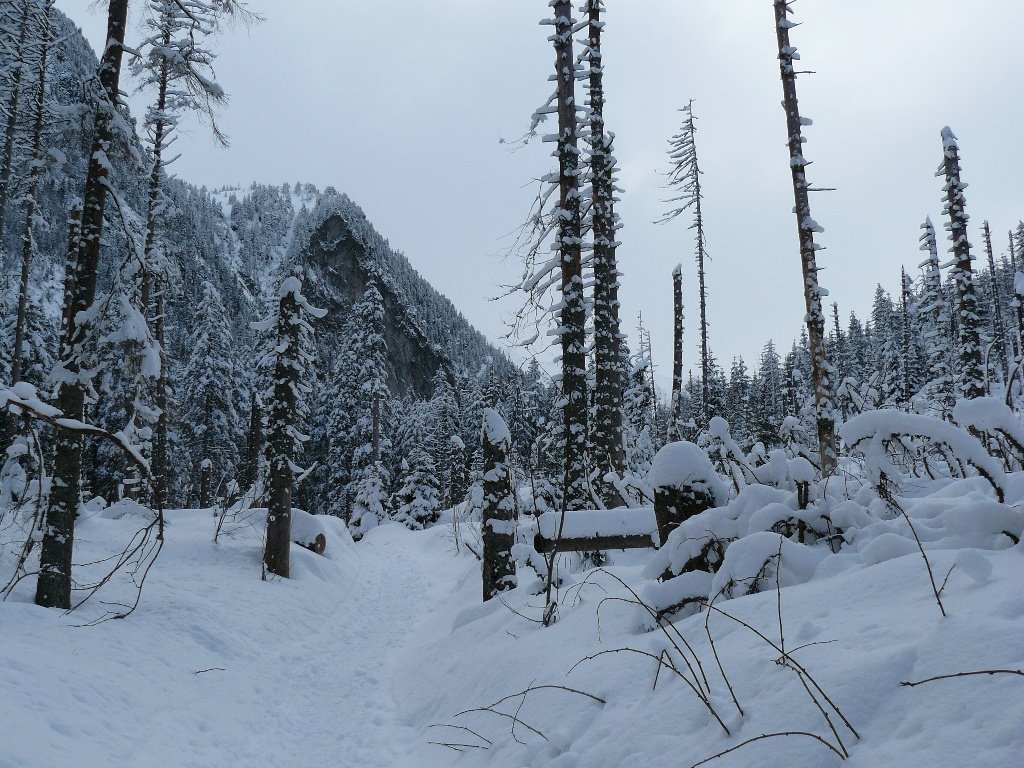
(971, 379)
(281, 416)
(572, 316)
(608, 363)
(10, 132)
(677, 349)
(53, 589)
(806, 226)
(999, 327)
(36, 171)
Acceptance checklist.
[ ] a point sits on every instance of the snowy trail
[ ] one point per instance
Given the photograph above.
(325, 697)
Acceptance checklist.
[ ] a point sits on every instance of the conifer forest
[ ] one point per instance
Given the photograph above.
(275, 492)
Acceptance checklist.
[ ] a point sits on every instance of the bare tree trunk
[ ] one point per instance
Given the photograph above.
(972, 380)
(53, 589)
(806, 226)
(12, 117)
(677, 350)
(572, 315)
(608, 363)
(160, 440)
(27, 237)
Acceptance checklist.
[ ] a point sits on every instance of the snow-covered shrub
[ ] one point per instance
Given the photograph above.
(885, 435)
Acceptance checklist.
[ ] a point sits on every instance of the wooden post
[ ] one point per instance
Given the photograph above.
(498, 523)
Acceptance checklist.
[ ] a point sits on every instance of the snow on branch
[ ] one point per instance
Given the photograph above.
(23, 397)
(874, 432)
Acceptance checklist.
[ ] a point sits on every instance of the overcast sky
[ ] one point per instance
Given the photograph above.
(401, 104)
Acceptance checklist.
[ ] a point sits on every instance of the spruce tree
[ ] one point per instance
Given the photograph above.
(970, 379)
(936, 324)
(290, 331)
(998, 325)
(208, 401)
(369, 351)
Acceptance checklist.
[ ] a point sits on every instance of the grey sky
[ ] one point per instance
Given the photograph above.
(401, 104)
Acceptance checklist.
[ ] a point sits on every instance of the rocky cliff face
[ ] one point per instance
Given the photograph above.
(340, 266)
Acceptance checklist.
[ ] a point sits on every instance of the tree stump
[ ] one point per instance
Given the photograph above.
(685, 484)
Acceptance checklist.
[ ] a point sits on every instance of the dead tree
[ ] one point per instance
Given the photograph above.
(806, 226)
(290, 332)
(53, 589)
(498, 522)
(684, 177)
(606, 437)
(971, 378)
(677, 349)
(572, 315)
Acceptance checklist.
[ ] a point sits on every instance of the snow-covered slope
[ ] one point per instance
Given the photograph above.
(372, 651)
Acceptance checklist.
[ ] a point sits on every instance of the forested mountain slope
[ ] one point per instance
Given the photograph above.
(227, 251)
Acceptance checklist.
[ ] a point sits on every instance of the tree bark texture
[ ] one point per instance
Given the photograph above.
(572, 316)
(806, 227)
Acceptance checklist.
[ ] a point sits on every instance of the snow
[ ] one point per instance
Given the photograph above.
(683, 464)
(495, 430)
(377, 649)
(600, 522)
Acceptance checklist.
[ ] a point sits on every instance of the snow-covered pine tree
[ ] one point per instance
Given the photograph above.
(19, 15)
(53, 589)
(684, 178)
(606, 431)
(498, 526)
(370, 474)
(806, 226)
(419, 497)
(289, 329)
(936, 324)
(1000, 337)
(37, 165)
(970, 379)
(206, 389)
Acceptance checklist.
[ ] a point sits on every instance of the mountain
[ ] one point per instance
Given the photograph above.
(243, 241)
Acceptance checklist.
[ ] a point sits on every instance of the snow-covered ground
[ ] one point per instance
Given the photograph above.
(372, 652)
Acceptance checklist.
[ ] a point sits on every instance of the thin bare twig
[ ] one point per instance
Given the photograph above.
(909, 684)
(768, 736)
